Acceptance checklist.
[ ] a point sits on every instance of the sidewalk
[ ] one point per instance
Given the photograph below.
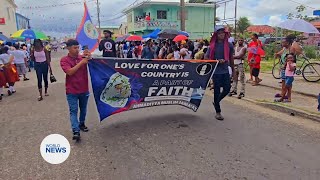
(304, 98)
(299, 85)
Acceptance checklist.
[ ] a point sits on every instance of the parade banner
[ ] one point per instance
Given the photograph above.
(87, 33)
(126, 84)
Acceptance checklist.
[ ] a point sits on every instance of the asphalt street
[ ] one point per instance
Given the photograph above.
(168, 142)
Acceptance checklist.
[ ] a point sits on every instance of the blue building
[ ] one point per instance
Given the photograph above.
(22, 22)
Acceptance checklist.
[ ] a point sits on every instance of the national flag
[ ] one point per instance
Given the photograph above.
(87, 34)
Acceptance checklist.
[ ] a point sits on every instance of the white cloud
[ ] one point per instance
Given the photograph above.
(274, 20)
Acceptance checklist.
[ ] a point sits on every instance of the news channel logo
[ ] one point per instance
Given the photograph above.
(55, 149)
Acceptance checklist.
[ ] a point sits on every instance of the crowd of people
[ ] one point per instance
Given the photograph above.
(16, 60)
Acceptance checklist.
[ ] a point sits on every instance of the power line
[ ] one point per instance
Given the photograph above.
(54, 5)
(302, 4)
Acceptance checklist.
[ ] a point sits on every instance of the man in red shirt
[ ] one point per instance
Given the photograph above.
(77, 88)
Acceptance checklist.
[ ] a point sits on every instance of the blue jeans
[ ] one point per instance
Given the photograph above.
(220, 81)
(75, 101)
(319, 102)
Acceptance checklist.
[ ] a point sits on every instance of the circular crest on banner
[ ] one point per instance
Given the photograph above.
(90, 30)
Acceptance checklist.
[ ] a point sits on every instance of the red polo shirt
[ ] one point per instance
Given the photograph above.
(78, 82)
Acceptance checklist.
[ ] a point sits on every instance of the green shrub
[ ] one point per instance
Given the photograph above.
(310, 51)
(271, 49)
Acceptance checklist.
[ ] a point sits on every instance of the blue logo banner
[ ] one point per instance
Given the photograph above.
(87, 34)
(126, 84)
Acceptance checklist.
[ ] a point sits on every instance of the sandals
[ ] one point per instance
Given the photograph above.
(40, 98)
(46, 95)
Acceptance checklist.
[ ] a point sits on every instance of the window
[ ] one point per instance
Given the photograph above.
(8, 10)
(129, 17)
(161, 14)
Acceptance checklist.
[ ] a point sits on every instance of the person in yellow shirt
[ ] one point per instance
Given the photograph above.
(200, 53)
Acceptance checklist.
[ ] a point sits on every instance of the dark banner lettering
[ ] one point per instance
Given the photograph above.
(125, 84)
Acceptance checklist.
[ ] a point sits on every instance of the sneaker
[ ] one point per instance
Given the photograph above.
(241, 95)
(76, 136)
(9, 93)
(219, 117)
(83, 128)
(2, 95)
(26, 79)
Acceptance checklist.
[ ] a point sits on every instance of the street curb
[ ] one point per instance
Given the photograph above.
(285, 109)
(298, 92)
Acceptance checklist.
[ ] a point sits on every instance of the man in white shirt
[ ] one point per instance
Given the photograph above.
(20, 60)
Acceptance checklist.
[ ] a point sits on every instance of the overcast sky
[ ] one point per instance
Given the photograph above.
(64, 19)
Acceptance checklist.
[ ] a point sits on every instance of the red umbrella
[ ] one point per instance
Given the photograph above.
(134, 38)
(180, 38)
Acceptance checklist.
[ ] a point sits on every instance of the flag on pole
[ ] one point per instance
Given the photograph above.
(87, 33)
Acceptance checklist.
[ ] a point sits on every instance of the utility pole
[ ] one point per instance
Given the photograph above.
(182, 15)
(98, 12)
(214, 14)
(235, 18)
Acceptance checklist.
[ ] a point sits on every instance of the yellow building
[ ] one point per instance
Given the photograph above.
(8, 19)
(114, 29)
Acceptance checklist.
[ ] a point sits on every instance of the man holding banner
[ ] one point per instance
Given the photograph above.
(77, 88)
(220, 49)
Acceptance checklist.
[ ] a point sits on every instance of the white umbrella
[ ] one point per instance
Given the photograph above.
(298, 25)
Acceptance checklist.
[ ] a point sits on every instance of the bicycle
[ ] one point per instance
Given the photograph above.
(310, 70)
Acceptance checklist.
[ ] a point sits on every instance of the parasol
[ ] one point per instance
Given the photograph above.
(299, 25)
(180, 38)
(29, 34)
(134, 38)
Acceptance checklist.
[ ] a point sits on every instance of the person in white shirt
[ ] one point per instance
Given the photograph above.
(20, 60)
(176, 53)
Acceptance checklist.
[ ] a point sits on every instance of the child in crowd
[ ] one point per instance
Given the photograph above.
(255, 64)
(289, 73)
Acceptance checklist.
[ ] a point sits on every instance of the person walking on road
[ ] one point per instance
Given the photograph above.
(41, 56)
(20, 60)
(220, 49)
(239, 55)
(9, 70)
(77, 87)
(107, 45)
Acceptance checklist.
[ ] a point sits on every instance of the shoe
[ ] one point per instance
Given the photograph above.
(241, 95)
(277, 95)
(232, 93)
(2, 95)
(83, 128)
(219, 117)
(9, 93)
(26, 79)
(14, 91)
(0, 98)
(76, 136)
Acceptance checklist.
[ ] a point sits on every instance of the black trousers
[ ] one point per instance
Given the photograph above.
(220, 81)
(42, 73)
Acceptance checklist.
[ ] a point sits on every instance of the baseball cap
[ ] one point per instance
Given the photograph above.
(107, 31)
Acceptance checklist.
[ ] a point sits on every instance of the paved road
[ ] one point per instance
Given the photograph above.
(157, 143)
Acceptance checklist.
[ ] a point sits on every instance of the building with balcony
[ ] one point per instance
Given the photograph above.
(145, 17)
(8, 23)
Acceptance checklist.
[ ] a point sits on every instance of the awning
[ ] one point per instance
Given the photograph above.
(153, 35)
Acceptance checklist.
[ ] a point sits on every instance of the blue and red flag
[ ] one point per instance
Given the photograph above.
(87, 34)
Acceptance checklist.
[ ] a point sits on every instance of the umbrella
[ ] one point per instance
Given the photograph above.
(184, 33)
(134, 38)
(3, 37)
(299, 25)
(180, 38)
(168, 34)
(122, 38)
(29, 34)
(152, 35)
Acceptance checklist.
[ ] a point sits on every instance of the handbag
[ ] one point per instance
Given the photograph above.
(52, 78)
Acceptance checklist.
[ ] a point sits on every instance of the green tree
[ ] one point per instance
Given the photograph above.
(299, 14)
(242, 24)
